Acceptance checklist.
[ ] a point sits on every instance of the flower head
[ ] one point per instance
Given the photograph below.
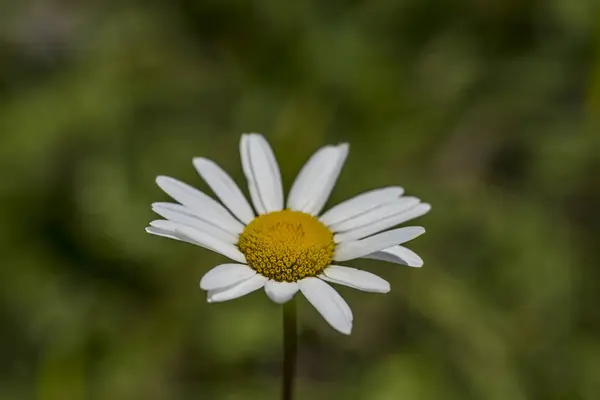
(291, 249)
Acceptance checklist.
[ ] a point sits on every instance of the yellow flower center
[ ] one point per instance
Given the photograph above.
(287, 245)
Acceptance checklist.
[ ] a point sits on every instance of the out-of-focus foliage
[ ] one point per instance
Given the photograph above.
(486, 109)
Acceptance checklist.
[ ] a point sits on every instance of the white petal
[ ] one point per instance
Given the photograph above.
(360, 204)
(355, 278)
(309, 172)
(225, 275)
(238, 290)
(169, 234)
(248, 172)
(202, 239)
(178, 231)
(328, 303)
(200, 204)
(359, 248)
(262, 173)
(316, 180)
(398, 255)
(225, 188)
(182, 214)
(382, 212)
(280, 292)
(381, 225)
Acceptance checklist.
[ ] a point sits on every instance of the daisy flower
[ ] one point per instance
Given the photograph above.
(293, 247)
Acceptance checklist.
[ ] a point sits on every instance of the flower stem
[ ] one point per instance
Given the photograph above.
(290, 344)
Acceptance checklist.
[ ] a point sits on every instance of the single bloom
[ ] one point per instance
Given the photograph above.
(291, 248)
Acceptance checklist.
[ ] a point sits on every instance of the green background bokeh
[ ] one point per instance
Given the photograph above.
(486, 109)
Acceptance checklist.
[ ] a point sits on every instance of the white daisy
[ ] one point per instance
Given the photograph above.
(289, 249)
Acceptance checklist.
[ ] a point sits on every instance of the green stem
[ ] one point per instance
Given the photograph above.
(290, 344)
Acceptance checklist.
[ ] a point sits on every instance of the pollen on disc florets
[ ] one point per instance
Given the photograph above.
(287, 245)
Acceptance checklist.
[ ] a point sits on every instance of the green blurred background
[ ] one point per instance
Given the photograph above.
(486, 109)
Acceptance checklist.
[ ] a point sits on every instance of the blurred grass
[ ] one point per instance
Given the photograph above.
(488, 110)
